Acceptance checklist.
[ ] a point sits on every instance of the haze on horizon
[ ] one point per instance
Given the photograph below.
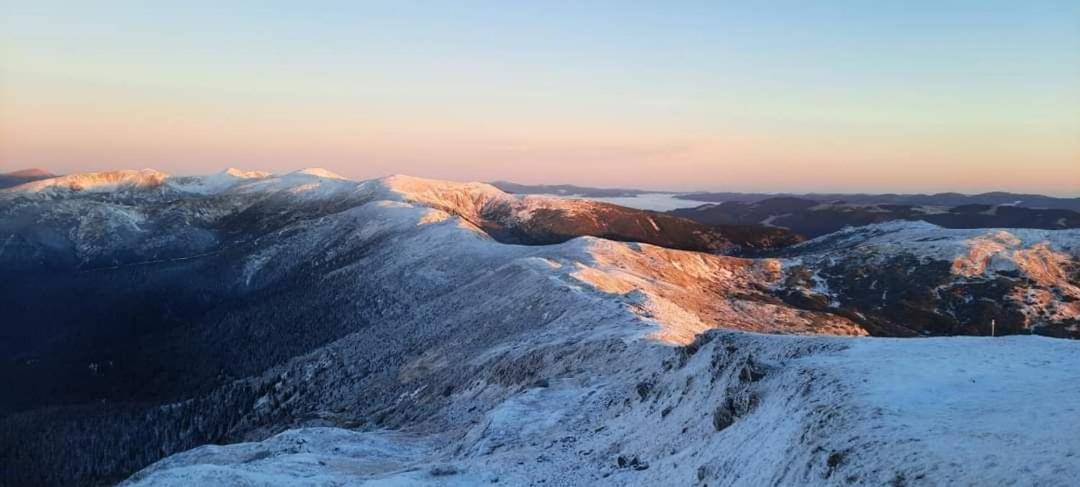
(841, 96)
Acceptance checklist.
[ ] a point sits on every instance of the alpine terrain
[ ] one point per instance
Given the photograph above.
(248, 328)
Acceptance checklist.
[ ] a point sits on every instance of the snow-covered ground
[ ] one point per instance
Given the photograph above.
(744, 409)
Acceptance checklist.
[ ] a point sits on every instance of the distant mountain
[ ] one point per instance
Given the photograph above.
(16, 178)
(812, 218)
(940, 199)
(530, 220)
(912, 278)
(538, 220)
(995, 198)
(569, 190)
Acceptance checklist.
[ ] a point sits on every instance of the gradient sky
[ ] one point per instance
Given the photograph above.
(757, 96)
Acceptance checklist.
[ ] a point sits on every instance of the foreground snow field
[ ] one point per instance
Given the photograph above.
(837, 411)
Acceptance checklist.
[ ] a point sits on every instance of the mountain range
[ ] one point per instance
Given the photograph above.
(993, 198)
(813, 219)
(816, 214)
(415, 331)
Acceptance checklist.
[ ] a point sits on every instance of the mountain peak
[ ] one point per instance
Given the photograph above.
(463, 199)
(320, 172)
(411, 185)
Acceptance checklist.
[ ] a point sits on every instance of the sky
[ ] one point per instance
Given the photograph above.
(913, 96)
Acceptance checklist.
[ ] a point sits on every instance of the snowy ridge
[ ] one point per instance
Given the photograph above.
(688, 293)
(532, 219)
(738, 410)
(513, 219)
(313, 183)
(215, 183)
(677, 295)
(318, 181)
(94, 182)
(468, 200)
(473, 200)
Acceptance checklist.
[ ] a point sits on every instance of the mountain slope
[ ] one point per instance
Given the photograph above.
(903, 278)
(814, 219)
(816, 411)
(154, 319)
(147, 215)
(545, 220)
(166, 328)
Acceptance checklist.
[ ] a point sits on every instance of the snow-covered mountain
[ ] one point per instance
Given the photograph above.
(112, 218)
(96, 182)
(914, 277)
(397, 330)
(146, 184)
